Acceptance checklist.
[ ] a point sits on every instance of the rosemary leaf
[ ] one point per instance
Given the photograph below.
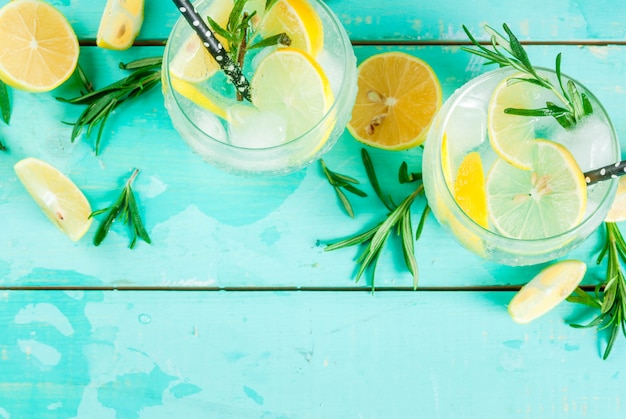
(371, 175)
(338, 181)
(5, 103)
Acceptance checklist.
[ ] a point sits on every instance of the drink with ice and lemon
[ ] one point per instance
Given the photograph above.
(302, 94)
(511, 187)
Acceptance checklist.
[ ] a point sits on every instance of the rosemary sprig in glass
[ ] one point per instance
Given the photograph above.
(240, 34)
(146, 73)
(612, 302)
(510, 53)
(126, 210)
(338, 181)
(374, 239)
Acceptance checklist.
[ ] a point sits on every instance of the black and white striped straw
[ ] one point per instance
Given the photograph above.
(612, 171)
(215, 48)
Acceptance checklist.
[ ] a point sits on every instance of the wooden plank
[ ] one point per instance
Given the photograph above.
(211, 229)
(419, 21)
(297, 354)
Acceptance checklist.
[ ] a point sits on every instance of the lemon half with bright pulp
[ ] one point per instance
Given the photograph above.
(38, 47)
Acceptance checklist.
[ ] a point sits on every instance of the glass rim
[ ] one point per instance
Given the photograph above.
(346, 46)
(490, 235)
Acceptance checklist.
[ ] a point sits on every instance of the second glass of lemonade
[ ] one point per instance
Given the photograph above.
(302, 90)
(510, 203)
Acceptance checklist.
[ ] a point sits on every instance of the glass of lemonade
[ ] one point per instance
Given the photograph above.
(531, 205)
(281, 129)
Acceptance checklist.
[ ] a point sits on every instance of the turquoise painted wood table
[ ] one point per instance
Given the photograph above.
(235, 310)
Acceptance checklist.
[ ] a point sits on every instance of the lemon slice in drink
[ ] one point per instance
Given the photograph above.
(512, 136)
(299, 20)
(547, 200)
(192, 62)
(546, 290)
(289, 82)
(39, 47)
(469, 189)
(57, 196)
(398, 96)
(120, 24)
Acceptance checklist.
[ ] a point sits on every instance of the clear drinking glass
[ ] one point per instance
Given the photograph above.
(211, 136)
(463, 121)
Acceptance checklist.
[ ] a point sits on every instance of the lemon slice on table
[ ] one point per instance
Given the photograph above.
(469, 189)
(58, 197)
(289, 82)
(398, 96)
(192, 61)
(511, 136)
(547, 200)
(299, 20)
(546, 290)
(120, 24)
(39, 49)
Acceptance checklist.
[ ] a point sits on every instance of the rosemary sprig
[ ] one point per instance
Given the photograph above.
(2, 147)
(338, 181)
(374, 239)
(239, 33)
(510, 53)
(612, 302)
(126, 210)
(146, 73)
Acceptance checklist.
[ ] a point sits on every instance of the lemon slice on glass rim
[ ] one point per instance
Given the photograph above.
(57, 196)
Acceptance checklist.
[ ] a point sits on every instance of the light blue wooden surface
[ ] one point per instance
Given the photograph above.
(261, 348)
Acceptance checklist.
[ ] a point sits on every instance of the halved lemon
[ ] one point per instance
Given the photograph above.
(192, 62)
(38, 47)
(299, 20)
(469, 189)
(57, 196)
(547, 200)
(120, 24)
(398, 96)
(546, 290)
(512, 136)
(289, 82)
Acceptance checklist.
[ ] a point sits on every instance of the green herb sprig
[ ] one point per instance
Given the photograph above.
(338, 181)
(510, 53)
(146, 73)
(612, 300)
(240, 35)
(126, 210)
(5, 108)
(374, 239)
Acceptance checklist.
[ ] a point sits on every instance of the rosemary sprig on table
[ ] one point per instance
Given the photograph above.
(146, 73)
(338, 181)
(374, 239)
(510, 53)
(5, 108)
(126, 210)
(612, 302)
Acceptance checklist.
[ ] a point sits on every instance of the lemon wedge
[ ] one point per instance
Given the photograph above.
(546, 290)
(617, 213)
(57, 196)
(39, 47)
(120, 24)
(469, 188)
